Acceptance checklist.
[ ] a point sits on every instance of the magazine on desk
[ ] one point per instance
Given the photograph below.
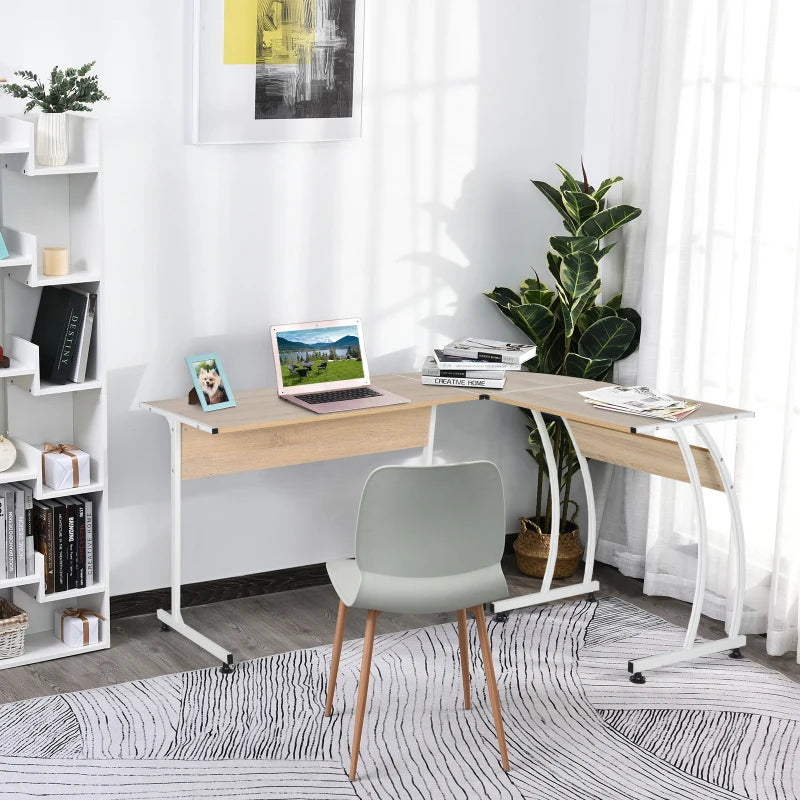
(473, 364)
(640, 400)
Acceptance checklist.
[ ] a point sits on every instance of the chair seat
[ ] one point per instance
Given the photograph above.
(403, 595)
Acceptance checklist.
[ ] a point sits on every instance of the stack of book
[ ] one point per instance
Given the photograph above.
(63, 532)
(16, 530)
(475, 363)
(63, 332)
(640, 400)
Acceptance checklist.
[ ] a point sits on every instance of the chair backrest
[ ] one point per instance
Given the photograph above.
(424, 522)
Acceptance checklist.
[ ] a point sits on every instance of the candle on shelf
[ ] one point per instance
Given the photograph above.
(55, 261)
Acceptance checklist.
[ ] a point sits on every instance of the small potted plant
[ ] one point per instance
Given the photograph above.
(71, 89)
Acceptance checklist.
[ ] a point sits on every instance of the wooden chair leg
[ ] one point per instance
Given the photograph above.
(463, 649)
(363, 685)
(338, 638)
(491, 683)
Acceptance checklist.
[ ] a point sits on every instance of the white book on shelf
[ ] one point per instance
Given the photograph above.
(4, 560)
(19, 528)
(9, 532)
(490, 350)
(89, 522)
(78, 374)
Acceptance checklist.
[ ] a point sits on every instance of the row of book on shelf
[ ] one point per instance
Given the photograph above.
(61, 530)
(475, 363)
(63, 332)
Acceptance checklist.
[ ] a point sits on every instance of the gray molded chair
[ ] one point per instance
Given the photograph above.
(428, 539)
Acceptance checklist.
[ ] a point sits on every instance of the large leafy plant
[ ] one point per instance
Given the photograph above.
(575, 333)
(71, 89)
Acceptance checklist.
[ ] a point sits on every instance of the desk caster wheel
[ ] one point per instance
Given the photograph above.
(591, 598)
(165, 628)
(735, 653)
(501, 616)
(227, 668)
(637, 677)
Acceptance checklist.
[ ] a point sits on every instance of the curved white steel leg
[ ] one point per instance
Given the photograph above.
(702, 539)
(591, 522)
(736, 524)
(555, 498)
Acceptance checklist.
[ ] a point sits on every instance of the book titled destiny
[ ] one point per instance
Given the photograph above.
(489, 350)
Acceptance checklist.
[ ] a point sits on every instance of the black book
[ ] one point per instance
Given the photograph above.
(57, 331)
(72, 542)
(60, 545)
(80, 541)
(45, 542)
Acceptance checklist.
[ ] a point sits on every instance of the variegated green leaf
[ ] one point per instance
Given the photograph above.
(633, 317)
(578, 274)
(554, 196)
(578, 366)
(543, 297)
(609, 220)
(530, 283)
(579, 205)
(603, 188)
(591, 314)
(573, 244)
(607, 338)
(615, 302)
(554, 265)
(568, 179)
(534, 321)
(503, 296)
(604, 251)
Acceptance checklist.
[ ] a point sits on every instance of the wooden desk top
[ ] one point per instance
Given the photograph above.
(262, 408)
(551, 394)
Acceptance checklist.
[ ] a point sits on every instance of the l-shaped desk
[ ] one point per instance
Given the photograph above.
(262, 431)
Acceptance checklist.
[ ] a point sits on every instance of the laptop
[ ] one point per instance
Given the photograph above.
(322, 366)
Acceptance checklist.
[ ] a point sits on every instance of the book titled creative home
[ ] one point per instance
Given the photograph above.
(467, 383)
(490, 350)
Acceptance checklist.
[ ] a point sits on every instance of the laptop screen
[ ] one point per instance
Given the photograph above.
(325, 352)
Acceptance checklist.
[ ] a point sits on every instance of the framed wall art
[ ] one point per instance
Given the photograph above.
(276, 70)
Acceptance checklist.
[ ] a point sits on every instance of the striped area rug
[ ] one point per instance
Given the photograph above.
(576, 727)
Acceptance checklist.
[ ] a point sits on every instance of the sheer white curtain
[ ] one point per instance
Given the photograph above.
(702, 117)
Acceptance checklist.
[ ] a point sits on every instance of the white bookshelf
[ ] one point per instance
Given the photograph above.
(52, 207)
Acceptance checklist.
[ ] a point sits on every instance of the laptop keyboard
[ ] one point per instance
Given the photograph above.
(340, 394)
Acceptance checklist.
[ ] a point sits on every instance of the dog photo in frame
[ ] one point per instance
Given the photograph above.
(210, 382)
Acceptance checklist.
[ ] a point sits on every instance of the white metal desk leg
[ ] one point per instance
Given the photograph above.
(690, 650)
(427, 453)
(545, 593)
(173, 619)
(591, 518)
(738, 533)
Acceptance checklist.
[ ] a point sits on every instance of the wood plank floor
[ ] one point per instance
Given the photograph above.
(273, 623)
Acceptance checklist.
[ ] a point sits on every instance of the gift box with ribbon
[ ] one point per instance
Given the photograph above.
(78, 627)
(64, 466)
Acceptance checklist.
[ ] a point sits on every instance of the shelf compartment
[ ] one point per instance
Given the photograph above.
(47, 493)
(27, 354)
(25, 468)
(18, 145)
(45, 646)
(23, 251)
(55, 597)
(10, 583)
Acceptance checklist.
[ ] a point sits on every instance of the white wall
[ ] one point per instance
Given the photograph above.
(406, 226)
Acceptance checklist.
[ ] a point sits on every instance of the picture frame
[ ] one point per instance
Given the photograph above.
(210, 382)
(290, 71)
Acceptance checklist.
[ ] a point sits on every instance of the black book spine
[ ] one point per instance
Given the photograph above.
(60, 536)
(70, 341)
(80, 528)
(72, 549)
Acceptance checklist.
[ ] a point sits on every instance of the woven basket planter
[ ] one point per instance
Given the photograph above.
(13, 622)
(532, 546)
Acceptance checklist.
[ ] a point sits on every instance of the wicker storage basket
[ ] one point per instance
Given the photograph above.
(13, 622)
(532, 546)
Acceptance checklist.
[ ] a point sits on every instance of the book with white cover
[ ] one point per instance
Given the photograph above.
(490, 350)
(459, 362)
(431, 369)
(89, 521)
(467, 383)
(19, 527)
(78, 373)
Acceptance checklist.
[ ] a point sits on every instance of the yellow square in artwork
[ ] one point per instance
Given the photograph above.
(269, 31)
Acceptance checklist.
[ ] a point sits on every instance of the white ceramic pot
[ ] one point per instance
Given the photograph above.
(52, 147)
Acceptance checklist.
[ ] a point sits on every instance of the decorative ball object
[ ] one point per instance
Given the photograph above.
(8, 453)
